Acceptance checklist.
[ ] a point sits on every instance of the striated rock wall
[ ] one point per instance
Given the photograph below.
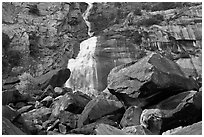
(97, 56)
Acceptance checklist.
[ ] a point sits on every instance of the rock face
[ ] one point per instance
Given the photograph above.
(97, 56)
(103, 129)
(150, 79)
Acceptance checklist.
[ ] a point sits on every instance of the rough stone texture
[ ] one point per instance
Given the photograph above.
(104, 129)
(97, 108)
(97, 56)
(194, 129)
(68, 119)
(131, 117)
(35, 117)
(9, 113)
(9, 129)
(191, 66)
(42, 31)
(72, 102)
(150, 79)
(172, 112)
(136, 130)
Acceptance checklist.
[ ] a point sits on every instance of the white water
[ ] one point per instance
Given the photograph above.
(85, 16)
(83, 68)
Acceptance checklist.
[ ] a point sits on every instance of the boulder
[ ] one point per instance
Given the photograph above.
(104, 129)
(194, 129)
(55, 78)
(72, 102)
(68, 119)
(131, 117)
(136, 130)
(13, 96)
(9, 113)
(172, 112)
(9, 129)
(97, 56)
(96, 109)
(148, 81)
(35, 117)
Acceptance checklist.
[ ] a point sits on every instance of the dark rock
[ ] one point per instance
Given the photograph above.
(9, 113)
(9, 129)
(197, 100)
(194, 129)
(68, 119)
(55, 78)
(96, 109)
(74, 103)
(13, 96)
(136, 130)
(104, 129)
(20, 105)
(131, 117)
(171, 113)
(148, 81)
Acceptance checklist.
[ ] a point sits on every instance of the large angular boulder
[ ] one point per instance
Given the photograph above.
(96, 109)
(178, 110)
(131, 117)
(97, 56)
(136, 130)
(72, 102)
(194, 129)
(55, 78)
(148, 80)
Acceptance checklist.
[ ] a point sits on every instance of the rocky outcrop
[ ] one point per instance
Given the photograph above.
(171, 113)
(150, 79)
(97, 56)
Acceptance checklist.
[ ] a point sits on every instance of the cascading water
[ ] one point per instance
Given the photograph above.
(83, 68)
(85, 16)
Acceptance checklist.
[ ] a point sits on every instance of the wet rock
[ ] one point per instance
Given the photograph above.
(72, 102)
(171, 113)
(136, 130)
(104, 129)
(97, 108)
(194, 129)
(148, 81)
(131, 117)
(9, 129)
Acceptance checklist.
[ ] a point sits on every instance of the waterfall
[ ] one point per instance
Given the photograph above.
(85, 16)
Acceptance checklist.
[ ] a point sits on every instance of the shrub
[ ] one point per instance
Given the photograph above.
(27, 83)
